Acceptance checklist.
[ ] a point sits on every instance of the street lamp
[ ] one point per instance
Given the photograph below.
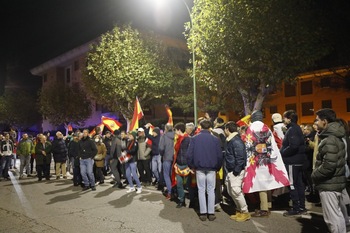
(193, 63)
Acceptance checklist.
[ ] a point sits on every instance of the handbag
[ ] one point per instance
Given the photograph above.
(182, 172)
(98, 157)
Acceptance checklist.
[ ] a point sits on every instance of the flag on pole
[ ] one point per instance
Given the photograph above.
(170, 115)
(70, 128)
(93, 132)
(244, 121)
(110, 123)
(138, 114)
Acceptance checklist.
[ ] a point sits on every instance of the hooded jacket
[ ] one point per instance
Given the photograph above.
(166, 146)
(329, 172)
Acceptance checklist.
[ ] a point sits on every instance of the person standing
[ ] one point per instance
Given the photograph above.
(87, 151)
(73, 152)
(166, 150)
(107, 140)
(144, 157)
(205, 156)
(329, 173)
(6, 150)
(116, 152)
(293, 154)
(60, 154)
(24, 151)
(100, 159)
(235, 158)
(156, 159)
(43, 158)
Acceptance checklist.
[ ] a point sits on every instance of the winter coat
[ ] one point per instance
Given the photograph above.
(6, 148)
(235, 154)
(131, 149)
(59, 150)
(108, 144)
(40, 158)
(101, 149)
(293, 146)
(116, 147)
(144, 151)
(73, 152)
(155, 143)
(204, 152)
(87, 148)
(166, 146)
(329, 172)
(181, 157)
(25, 147)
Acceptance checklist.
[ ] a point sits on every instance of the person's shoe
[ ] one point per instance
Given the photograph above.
(102, 182)
(20, 177)
(217, 207)
(47, 178)
(14, 167)
(261, 213)
(93, 188)
(130, 190)
(291, 212)
(139, 190)
(303, 211)
(168, 196)
(181, 204)
(57, 177)
(211, 217)
(29, 175)
(242, 217)
(40, 179)
(235, 216)
(86, 188)
(203, 217)
(64, 177)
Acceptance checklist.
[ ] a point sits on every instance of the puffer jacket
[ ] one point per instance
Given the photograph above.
(235, 154)
(59, 150)
(144, 151)
(329, 172)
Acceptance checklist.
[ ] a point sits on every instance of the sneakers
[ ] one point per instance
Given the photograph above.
(235, 216)
(291, 212)
(93, 188)
(203, 217)
(261, 213)
(139, 190)
(86, 188)
(211, 217)
(242, 217)
(130, 190)
(181, 204)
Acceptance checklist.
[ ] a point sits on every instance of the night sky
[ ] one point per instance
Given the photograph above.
(35, 31)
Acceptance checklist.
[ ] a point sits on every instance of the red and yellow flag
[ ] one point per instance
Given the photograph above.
(170, 115)
(138, 114)
(110, 123)
(93, 132)
(244, 121)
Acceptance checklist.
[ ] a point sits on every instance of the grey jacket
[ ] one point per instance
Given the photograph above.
(144, 151)
(166, 146)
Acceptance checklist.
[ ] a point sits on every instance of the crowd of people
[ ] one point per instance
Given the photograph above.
(212, 162)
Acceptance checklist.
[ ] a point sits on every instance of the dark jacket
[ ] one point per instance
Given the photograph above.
(293, 146)
(329, 172)
(116, 147)
(235, 154)
(59, 150)
(181, 158)
(108, 144)
(73, 152)
(204, 152)
(40, 158)
(155, 142)
(131, 149)
(166, 146)
(87, 148)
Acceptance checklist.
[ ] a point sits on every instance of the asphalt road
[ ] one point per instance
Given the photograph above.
(57, 206)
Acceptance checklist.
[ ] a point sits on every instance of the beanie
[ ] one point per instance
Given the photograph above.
(133, 133)
(156, 130)
(256, 116)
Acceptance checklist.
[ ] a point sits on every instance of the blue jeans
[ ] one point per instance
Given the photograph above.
(130, 169)
(86, 170)
(167, 174)
(206, 182)
(6, 165)
(156, 166)
(180, 180)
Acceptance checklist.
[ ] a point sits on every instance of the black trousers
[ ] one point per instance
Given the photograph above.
(145, 170)
(297, 187)
(43, 170)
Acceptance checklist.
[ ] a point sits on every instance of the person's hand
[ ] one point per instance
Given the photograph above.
(207, 116)
(44, 153)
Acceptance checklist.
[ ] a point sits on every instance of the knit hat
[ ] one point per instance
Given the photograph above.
(156, 130)
(256, 116)
(133, 133)
(276, 118)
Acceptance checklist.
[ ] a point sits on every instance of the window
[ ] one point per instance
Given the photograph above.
(68, 75)
(348, 104)
(289, 90)
(307, 109)
(76, 65)
(306, 87)
(45, 78)
(326, 103)
(291, 107)
(325, 82)
(273, 109)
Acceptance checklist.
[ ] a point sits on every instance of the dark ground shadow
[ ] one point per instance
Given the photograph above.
(315, 224)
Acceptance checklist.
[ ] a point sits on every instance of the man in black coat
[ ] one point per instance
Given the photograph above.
(60, 153)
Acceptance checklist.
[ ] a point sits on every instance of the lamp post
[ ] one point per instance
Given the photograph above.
(193, 69)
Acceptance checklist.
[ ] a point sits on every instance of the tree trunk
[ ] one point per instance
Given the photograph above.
(246, 101)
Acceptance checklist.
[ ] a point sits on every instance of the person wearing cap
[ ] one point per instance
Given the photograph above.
(156, 159)
(144, 157)
(130, 165)
(293, 154)
(278, 128)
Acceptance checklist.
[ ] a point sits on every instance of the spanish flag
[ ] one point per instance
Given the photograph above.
(138, 114)
(110, 123)
(170, 115)
(93, 132)
(244, 121)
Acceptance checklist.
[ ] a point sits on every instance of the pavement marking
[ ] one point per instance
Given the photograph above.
(24, 201)
(258, 226)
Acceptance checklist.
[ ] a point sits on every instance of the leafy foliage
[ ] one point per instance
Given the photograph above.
(62, 104)
(247, 48)
(18, 108)
(125, 64)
